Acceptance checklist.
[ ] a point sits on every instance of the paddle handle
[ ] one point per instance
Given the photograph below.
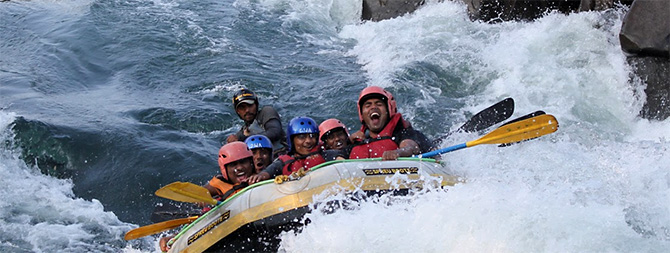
(442, 151)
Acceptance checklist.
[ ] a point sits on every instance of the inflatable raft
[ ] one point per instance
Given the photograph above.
(252, 218)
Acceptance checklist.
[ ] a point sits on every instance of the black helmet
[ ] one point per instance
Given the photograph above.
(244, 96)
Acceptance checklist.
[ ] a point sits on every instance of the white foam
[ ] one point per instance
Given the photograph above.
(41, 213)
(599, 184)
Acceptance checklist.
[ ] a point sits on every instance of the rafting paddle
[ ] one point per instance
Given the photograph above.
(527, 116)
(484, 119)
(170, 210)
(157, 228)
(514, 132)
(489, 116)
(186, 192)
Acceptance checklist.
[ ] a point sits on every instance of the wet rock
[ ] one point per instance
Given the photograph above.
(506, 10)
(376, 10)
(645, 36)
(655, 72)
(599, 5)
(646, 29)
(489, 10)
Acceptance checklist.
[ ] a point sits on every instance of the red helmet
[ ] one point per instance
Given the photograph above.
(330, 124)
(232, 152)
(377, 92)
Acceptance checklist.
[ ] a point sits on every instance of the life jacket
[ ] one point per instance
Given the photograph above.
(375, 147)
(226, 189)
(310, 160)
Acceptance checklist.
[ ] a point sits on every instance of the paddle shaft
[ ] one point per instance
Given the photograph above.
(170, 210)
(486, 118)
(509, 133)
(444, 150)
(157, 228)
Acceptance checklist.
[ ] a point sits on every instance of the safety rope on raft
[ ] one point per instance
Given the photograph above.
(294, 176)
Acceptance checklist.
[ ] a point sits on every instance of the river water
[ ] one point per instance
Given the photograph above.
(103, 102)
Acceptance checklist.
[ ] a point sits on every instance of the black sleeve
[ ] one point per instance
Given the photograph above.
(240, 135)
(266, 114)
(332, 154)
(410, 133)
(273, 130)
(347, 150)
(271, 122)
(275, 168)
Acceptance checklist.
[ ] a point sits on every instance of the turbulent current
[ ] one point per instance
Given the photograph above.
(103, 102)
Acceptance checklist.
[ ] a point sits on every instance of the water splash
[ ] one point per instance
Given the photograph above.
(41, 213)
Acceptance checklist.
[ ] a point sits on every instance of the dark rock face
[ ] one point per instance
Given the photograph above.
(487, 10)
(655, 72)
(506, 10)
(646, 29)
(646, 32)
(376, 10)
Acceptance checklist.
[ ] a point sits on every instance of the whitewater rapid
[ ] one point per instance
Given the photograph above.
(599, 184)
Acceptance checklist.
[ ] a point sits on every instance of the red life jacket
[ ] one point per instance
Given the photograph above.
(292, 164)
(375, 147)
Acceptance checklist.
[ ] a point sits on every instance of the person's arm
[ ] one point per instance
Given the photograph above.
(274, 169)
(357, 135)
(261, 176)
(407, 148)
(239, 136)
(242, 134)
(164, 241)
(333, 154)
(212, 191)
(410, 142)
(425, 145)
(273, 130)
(271, 122)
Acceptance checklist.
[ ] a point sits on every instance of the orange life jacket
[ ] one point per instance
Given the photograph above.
(225, 189)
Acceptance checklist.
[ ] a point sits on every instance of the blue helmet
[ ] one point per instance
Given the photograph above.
(258, 141)
(300, 125)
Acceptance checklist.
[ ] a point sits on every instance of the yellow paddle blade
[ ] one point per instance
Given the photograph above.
(186, 192)
(519, 131)
(157, 228)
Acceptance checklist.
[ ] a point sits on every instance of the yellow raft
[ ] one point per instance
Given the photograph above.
(252, 218)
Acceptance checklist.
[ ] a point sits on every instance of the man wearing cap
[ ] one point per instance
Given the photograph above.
(265, 121)
(384, 133)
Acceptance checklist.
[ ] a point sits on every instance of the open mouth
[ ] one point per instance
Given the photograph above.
(259, 165)
(240, 174)
(374, 117)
